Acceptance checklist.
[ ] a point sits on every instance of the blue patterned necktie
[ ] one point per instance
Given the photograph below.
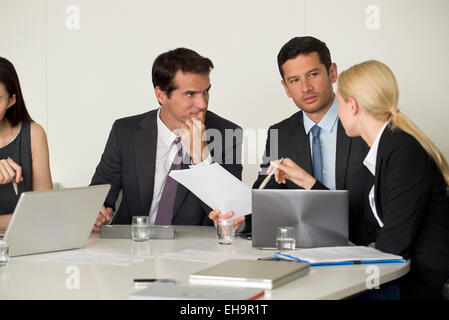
(316, 153)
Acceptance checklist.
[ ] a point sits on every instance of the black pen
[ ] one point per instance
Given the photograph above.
(145, 282)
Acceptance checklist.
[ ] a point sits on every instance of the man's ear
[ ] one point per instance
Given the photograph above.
(12, 101)
(333, 74)
(286, 89)
(161, 96)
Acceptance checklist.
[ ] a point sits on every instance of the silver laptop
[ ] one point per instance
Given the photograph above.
(54, 220)
(250, 273)
(320, 217)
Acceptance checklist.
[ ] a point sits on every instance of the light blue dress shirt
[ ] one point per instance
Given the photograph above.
(328, 139)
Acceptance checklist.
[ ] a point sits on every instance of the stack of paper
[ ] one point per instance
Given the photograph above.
(340, 255)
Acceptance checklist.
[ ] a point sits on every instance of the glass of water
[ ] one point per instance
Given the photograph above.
(140, 228)
(285, 238)
(4, 252)
(225, 231)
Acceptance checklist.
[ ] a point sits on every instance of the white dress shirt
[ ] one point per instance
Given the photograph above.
(328, 140)
(370, 163)
(165, 154)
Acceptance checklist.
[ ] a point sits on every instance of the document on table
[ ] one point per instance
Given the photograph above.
(205, 256)
(216, 187)
(79, 256)
(340, 255)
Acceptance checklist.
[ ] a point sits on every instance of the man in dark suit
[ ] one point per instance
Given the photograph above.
(336, 162)
(143, 149)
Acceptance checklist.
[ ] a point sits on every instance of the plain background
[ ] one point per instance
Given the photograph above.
(76, 82)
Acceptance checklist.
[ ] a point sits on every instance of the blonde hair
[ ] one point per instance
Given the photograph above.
(373, 85)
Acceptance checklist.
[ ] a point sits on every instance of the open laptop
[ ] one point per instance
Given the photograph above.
(54, 220)
(320, 217)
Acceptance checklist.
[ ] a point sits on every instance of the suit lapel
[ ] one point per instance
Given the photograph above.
(342, 156)
(145, 143)
(301, 155)
(376, 186)
(379, 163)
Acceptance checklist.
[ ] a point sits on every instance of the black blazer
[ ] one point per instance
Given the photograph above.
(412, 203)
(350, 173)
(128, 164)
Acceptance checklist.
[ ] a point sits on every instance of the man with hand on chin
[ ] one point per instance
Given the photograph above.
(143, 149)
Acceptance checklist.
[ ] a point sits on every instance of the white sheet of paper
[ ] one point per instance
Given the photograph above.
(205, 256)
(80, 256)
(216, 187)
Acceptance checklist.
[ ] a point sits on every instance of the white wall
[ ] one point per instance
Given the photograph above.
(77, 82)
(22, 41)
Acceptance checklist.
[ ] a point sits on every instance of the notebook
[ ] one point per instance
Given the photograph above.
(250, 273)
(173, 291)
(340, 255)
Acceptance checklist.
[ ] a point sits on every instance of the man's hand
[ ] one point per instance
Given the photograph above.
(104, 216)
(192, 140)
(9, 171)
(214, 215)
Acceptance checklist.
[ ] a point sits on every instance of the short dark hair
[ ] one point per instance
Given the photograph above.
(168, 63)
(8, 77)
(304, 45)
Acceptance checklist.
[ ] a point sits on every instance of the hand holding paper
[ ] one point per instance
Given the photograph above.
(217, 188)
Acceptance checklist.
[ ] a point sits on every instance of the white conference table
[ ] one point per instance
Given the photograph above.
(31, 277)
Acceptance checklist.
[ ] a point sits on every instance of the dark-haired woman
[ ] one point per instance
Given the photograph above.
(24, 158)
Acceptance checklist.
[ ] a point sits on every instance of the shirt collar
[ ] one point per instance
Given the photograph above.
(166, 135)
(327, 123)
(370, 160)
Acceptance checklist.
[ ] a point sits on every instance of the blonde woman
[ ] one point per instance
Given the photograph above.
(408, 208)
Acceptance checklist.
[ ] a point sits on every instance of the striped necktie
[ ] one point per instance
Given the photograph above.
(165, 210)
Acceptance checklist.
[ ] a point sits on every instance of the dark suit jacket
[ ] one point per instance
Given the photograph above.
(128, 164)
(350, 173)
(411, 201)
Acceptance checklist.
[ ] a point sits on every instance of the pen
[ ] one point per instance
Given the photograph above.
(14, 184)
(265, 181)
(145, 282)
